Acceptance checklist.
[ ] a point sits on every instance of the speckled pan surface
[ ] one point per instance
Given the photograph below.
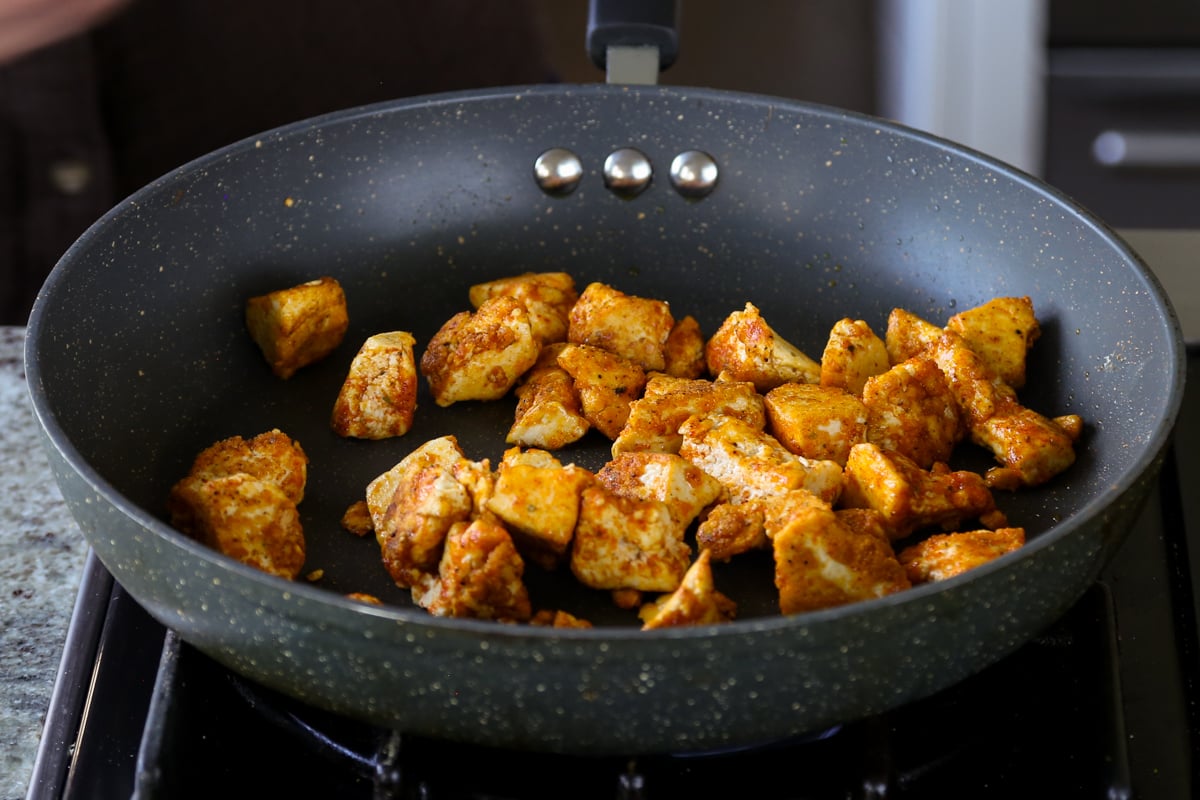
(138, 358)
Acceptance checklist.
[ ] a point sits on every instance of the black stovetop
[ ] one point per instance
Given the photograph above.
(1103, 704)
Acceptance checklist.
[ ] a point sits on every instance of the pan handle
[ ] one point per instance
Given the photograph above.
(633, 40)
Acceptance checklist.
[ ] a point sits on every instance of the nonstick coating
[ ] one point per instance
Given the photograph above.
(138, 358)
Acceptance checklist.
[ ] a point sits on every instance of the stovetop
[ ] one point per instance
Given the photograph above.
(1105, 703)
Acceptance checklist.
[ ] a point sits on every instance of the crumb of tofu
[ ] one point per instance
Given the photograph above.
(363, 597)
(558, 619)
(298, 326)
(357, 518)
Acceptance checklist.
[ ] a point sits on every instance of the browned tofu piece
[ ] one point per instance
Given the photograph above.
(635, 328)
(379, 396)
(1030, 448)
(911, 411)
(852, 354)
(624, 543)
(1000, 331)
(684, 351)
(752, 463)
(695, 602)
(667, 402)
(908, 335)
(733, 528)
(606, 383)
(945, 555)
(413, 506)
(481, 355)
(479, 576)
(537, 498)
(547, 296)
(746, 348)
(817, 422)
(357, 519)
(910, 498)
(244, 517)
(820, 562)
(295, 327)
(272, 456)
(685, 488)
(549, 413)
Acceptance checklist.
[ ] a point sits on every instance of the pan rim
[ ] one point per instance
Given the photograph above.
(1151, 451)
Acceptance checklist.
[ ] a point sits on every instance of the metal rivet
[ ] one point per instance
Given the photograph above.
(694, 173)
(627, 171)
(557, 171)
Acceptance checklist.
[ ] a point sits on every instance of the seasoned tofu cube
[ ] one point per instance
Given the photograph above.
(245, 517)
(295, 327)
(635, 328)
(1000, 331)
(624, 543)
(537, 498)
(668, 402)
(685, 488)
(546, 296)
(945, 555)
(817, 422)
(910, 498)
(908, 335)
(481, 355)
(479, 576)
(414, 504)
(379, 396)
(746, 348)
(549, 414)
(695, 602)
(733, 528)
(852, 354)
(684, 351)
(820, 562)
(911, 411)
(272, 456)
(752, 463)
(606, 384)
(1030, 448)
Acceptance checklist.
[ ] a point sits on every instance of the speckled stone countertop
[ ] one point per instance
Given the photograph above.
(42, 554)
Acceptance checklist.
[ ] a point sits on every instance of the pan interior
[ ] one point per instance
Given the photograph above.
(141, 358)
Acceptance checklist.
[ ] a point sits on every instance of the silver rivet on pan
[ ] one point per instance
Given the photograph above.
(627, 171)
(694, 173)
(557, 170)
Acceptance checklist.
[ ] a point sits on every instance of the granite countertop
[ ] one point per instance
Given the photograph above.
(42, 553)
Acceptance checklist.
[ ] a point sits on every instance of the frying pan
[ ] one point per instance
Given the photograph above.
(138, 358)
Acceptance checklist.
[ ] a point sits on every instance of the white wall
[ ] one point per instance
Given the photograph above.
(968, 70)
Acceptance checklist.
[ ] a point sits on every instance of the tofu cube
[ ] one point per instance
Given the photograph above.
(549, 412)
(695, 602)
(624, 543)
(480, 355)
(606, 383)
(667, 402)
(297, 326)
(479, 576)
(746, 348)
(817, 422)
(635, 328)
(852, 354)
(908, 335)
(378, 399)
(685, 488)
(1001, 331)
(546, 296)
(911, 410)
(684, 350)
(539, 504)
(945, 555)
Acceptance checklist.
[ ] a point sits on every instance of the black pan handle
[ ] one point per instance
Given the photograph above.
(633, 23)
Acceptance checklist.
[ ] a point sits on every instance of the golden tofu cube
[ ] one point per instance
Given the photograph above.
(538, 500)
(753, 464)
(852, 354)
(667, 402)
(635, 328)
(912, 411)
(549, 413)
(817, 422)
(909, 498)
(908, 335)
(547, 296)
(479, 576)
(378, 399)
(295, 327)
(732, 528)
(1001, 331)
(480, 355)
(684, 351)
(272, 456)
(820, 562)
(945, 555)
(695, 602)
(606, 384)
(624, 543)
(746, 348)
(685, 488)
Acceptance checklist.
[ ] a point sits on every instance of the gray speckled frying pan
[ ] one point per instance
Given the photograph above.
(138, 358)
